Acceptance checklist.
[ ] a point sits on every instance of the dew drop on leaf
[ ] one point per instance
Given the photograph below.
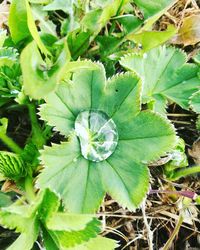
(97, 134)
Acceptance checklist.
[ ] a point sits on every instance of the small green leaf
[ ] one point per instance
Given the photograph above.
(3, 37)
(148, 136)
(97, 243)
(8, 56)
(12, 165)
(66, 5)
(152, 39)
(46, 26)
(68, 222)
(18, 218)
(33, 30)
(18, 21)
(96, 19)
(195, 102)
(71, 238)
(3, 125)
(172, 77)
(5, 200)
(150, 8)
(39, 78)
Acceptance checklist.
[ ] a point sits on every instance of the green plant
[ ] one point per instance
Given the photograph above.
(173, 80)
(90, 111)
(91, 129)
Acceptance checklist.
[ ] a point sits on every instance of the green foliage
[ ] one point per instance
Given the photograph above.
(18, 21)
(5, 200)
(178, 159)
(173, 78)
(65, 230)
(151, 8)
(128, 179)
(195, 102)
(152, 39)
(12, 166)
(107, 135)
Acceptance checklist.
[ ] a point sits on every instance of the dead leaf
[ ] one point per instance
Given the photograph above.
(189, 32)
(4, 12)
(195, 152)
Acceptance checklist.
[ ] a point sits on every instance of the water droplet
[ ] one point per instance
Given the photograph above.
(97, 134)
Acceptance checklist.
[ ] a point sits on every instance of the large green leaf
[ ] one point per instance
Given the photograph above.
(195, 102)
(164, 72)
(143, 136)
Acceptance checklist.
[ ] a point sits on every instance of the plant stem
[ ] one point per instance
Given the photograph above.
(175, 232)
(36, 129)
(10, 143)
(30, 194)
(184, 172)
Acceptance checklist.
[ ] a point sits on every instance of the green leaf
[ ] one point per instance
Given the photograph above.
(97, 243)
(152, 39)
(43, 212)
(149, 136)
(3, 125)
(195, 102)
(128, 181)
(117, 98)
(62, 115)
(36, 81)
(146, 135)
(33, 30)
(71, 238)
(178, 159)
(18, 218)
(3, 37)
(197, 58)
(39, 78)
(96, 19)
(68, 222)
(12, 165)
(66, 6)
(5, 200)
(78, 43)
(70, 175)
(22, 24)
(173, 78)
(130, 22)
(18, 21)
(41, 16)
(8, 56)
(150, 8)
